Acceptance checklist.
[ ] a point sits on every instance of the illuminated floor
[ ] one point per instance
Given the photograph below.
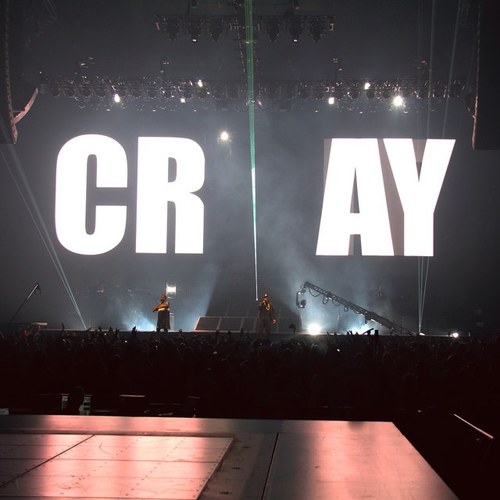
(172, 458)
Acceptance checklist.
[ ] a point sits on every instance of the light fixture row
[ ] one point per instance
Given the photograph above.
(290, 25)
(81, 87)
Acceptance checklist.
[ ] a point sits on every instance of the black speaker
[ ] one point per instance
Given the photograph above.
(486, 131)
(18, 89)
(8, 132)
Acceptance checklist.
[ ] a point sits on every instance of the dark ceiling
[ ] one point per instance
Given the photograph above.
(421, 43)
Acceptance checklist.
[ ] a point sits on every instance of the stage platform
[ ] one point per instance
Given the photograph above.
(75, 457)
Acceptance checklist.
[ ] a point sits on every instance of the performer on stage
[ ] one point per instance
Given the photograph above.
(163, 309)
(266, 316)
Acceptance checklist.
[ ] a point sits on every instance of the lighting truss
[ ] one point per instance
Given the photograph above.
(289, 24)
(85, 89)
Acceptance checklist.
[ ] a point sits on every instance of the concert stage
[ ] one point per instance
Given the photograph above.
(184, 458)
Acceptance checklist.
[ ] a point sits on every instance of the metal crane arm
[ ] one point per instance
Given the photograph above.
(369, 315)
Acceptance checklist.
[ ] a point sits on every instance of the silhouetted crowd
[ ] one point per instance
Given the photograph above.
(442, 393)
(237, 375)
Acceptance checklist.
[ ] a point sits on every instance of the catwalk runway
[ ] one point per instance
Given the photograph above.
(75, 457)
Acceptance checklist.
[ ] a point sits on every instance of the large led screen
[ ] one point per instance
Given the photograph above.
(104, 207)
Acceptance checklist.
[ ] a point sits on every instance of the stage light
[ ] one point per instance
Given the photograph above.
(438, 92)
(187, 91)
(69, 90)
(159, 22)
(338, 92)
(303, 91)
(331, 23)
(224, 136)
(100, 90)
(116, 98)
(319, 92)
(194, 29)
(314, 329)
(367, 85)
(171, 290)
(295, 29)
(422, 93)
(201, 90)
(216, 28)
(386, 92)
(316, 29)
(398, 101)
(218, 91)
(353, 92)
(273, 29)
(136, 92)
(166, 91)
(455, 89)
(85, 90)
(121, 90)
(172, 28)
(331, 100)
(406, 92)
(454, 334)
(299, 301)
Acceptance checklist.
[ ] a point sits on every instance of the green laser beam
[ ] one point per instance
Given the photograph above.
(251, 122)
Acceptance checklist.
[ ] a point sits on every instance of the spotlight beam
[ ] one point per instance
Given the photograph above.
(31, 204)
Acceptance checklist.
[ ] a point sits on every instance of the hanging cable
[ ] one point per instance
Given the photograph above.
(431, 63)
(452, 64)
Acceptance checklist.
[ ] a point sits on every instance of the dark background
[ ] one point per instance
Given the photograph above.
(418, 39)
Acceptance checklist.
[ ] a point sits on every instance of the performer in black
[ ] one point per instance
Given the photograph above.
(163, 309)
(266, 316)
